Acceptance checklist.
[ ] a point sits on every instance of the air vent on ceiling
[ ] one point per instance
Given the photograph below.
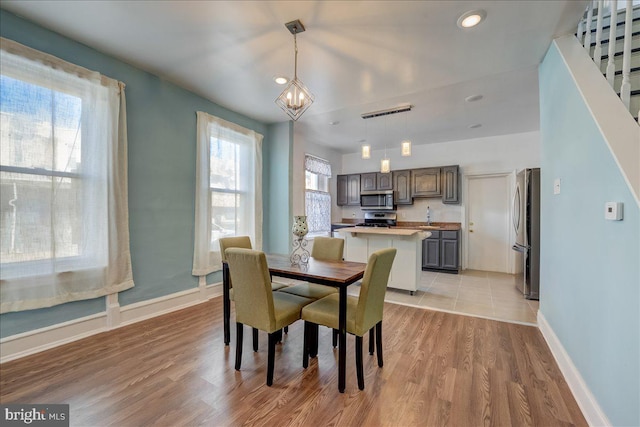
(386, 112)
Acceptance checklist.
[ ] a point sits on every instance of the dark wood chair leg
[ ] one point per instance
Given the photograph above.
(371, 341)
(379, 342)
(313, 343)
(305, 346)
(273, 339)
(335, 338)
(286, 329)
(359, 368)
(255, 339)
(239, 329)
(226, 304)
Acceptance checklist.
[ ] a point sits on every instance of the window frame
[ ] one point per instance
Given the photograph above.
(63, 264)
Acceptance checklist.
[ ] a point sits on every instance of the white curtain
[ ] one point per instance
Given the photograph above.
(63, 177)
(317, 197)
(228, 189)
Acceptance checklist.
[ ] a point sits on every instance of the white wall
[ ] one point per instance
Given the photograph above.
(496, 154)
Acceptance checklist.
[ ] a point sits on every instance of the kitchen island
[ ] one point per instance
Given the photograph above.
(360, 242)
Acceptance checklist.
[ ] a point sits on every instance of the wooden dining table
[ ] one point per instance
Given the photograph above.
(339, 274)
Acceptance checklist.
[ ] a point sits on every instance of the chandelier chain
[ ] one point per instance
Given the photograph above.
(295, 65)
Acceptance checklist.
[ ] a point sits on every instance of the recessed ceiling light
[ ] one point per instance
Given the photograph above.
(475, 126)
(471, 18)
(280, 80)
(473, 98)
(333, 123)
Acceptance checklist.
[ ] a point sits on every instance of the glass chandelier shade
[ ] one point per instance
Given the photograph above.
(385, 166)
(295, 99)
(406, 147)
(366, 151)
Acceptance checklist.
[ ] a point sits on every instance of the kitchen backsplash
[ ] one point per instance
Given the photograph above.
(416, 212)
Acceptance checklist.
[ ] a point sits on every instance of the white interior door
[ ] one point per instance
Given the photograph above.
(488, 223)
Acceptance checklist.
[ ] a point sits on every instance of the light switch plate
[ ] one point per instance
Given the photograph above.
(556, 186)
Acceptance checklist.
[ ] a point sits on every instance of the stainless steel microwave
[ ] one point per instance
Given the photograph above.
(377, 200)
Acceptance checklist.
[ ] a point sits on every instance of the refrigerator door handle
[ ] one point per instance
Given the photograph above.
(516, 209)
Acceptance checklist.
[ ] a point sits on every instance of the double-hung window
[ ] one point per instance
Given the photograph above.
(63, 222)
(228, 189)
(317, 196)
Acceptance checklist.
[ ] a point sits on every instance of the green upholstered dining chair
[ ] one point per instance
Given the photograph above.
(256, 303)
(324, 248)
(245, 243)
(363, 312)
(330, 248)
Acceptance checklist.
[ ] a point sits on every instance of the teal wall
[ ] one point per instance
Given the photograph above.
(590, 267)
(162, 151)
(278, 206)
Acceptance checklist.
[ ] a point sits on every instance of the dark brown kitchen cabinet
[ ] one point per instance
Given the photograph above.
(431, 253)
(450, 185)
(374, 181)
(441, 250)
(348, 191)
(425, 182)
(402, 187)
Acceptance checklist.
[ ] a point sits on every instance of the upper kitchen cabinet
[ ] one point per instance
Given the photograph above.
(348, 191)
(402, 187)
(450, 185)
(376, 181)
(425, 182)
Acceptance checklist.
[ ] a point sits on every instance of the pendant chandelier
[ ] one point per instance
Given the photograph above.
(295, 99)
(385, 162)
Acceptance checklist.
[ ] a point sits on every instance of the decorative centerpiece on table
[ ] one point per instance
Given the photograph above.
(300, 255)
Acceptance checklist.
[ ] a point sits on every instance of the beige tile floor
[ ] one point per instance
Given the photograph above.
(477, 293)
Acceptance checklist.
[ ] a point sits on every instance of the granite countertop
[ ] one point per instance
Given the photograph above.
(447, 226)
(396, 231)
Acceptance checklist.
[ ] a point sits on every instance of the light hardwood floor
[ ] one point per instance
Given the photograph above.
(440, 369)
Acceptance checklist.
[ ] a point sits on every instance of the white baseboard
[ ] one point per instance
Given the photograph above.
(32, 342)
(28, 343)
(158, 306)
(585, 399)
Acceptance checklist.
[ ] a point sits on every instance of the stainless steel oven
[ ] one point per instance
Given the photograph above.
(377, 200)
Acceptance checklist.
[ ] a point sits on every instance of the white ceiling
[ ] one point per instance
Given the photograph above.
(355, 56)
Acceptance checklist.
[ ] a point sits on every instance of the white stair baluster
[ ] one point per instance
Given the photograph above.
(613, 22)
(587, 35)
(625, 88)
(580, 32)
(597, 53)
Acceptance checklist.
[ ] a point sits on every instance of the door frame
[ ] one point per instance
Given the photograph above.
(511, 182)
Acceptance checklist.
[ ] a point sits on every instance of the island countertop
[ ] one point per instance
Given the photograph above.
(388, 231)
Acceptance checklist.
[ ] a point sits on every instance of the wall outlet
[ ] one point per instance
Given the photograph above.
(556, 186)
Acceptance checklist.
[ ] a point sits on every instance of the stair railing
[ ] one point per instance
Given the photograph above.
(625, 89)
(613, 24)
(584, 29)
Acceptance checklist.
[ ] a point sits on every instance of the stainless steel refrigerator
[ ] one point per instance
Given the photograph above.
(526, 224)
